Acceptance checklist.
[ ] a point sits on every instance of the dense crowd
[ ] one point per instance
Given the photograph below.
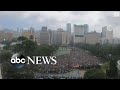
(46, 76)
(84, 59)
(77, 58)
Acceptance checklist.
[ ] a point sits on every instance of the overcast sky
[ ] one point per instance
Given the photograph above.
(59, 19)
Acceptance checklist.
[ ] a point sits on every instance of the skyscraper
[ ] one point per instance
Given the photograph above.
(107, 35)
(54, 37)
(30, 33)
(44, 29)
(44, 37)
(86, 28)
(59, 35)
(92, 38)
(78, 33)
(50, 33)
(68, 33)
(69, 27)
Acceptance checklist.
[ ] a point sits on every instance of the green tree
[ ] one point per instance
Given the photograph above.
(10, 72)
(28, 47)
(31, 37)
(112, 71)
(21, 38)
(5, 56)
(95, 74)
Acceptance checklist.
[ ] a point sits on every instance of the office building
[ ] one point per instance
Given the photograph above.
(92, 38)
(68, 33)
(69, 27)
(30, 34)
(79, 34)
(64, 38)
(44, 37)
(106, 35)
(6, 36)
(86, 29)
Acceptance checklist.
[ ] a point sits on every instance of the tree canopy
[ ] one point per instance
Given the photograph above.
(95, 74)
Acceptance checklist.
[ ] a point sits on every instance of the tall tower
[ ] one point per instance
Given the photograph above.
(68, 33)
(69, 27)
(78, 33)
(44, 36)
(86, 28)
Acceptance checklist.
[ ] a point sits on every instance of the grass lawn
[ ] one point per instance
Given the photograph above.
(62, 51)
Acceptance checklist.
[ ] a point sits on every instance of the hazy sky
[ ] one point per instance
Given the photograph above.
(58, 19)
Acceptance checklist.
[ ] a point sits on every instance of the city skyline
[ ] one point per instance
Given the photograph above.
(58, 19)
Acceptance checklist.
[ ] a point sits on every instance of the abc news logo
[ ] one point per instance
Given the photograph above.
(20, 59)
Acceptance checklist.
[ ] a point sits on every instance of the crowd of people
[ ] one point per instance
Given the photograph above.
(84, 59)
(54, 77)
(77, 58)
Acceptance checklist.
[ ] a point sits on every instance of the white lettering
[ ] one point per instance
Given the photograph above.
(54, 61)
(29, 59)
(38, 60)
(13, 60)
(45, 60)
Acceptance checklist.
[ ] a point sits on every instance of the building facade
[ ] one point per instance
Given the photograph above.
(106, 36)
(79, 34)
(44, 37)
(30, 34)
(68, 33)
(92, 38)
(64, 38)
(6, 36)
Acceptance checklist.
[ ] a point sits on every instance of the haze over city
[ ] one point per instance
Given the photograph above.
(58, 19)
(59, 45)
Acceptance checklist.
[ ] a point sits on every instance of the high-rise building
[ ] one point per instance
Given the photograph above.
(44, 37)
(92, 38)
(86, 28)
(6, 36)
(64, 38)
(69, 27)
(19, 32)
(44, 29)
(68, 33)
(54, 37)
(30, 34)
(50, 32)
(79, 34)
(104, 29)
(59, 36)
(106, 35)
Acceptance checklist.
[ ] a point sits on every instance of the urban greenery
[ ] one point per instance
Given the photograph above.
(109, 54)
(28, 48)
(95, 74)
